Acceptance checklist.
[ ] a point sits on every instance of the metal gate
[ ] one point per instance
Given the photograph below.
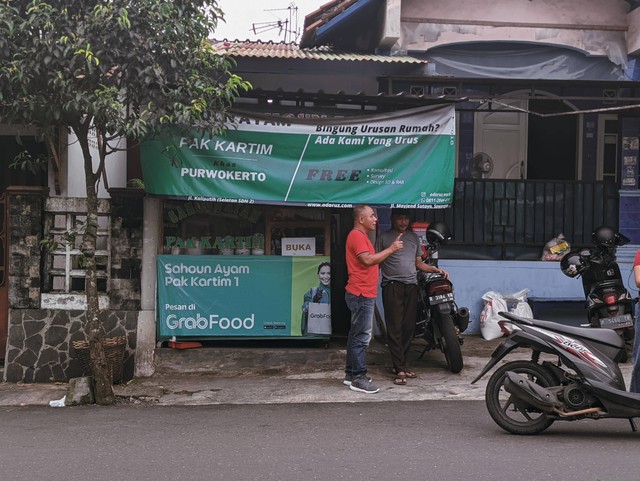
(513, 219)
(4, 294)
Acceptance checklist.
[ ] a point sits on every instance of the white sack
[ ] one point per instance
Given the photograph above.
(489, 317)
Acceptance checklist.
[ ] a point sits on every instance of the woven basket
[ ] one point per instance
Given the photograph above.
(114, 348)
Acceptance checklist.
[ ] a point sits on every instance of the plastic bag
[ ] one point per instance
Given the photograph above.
(520, 306)
(58, 403)
(556, 248)
(319, 319)
(489, 317)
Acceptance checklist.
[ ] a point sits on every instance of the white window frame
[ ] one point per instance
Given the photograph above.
(71, 209)
(605, 138)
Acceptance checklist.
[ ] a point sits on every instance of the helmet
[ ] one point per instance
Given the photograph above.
(439, 230)
(437, 234)
(572, 264)
(604, 236)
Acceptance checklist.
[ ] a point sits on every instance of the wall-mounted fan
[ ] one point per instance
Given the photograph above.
(481, 165)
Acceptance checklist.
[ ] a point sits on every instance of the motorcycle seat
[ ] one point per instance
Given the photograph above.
(602, 285)
(429, 276)
(602, 336)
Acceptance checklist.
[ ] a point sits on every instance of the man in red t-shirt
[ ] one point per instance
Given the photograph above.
(361, 293)
(634, 386)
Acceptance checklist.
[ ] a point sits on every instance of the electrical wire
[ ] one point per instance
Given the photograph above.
(558, 114)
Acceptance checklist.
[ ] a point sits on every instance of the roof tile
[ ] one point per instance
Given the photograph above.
(259, 49)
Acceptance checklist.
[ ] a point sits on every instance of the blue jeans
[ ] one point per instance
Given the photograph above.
(634, 386)
(359, 333)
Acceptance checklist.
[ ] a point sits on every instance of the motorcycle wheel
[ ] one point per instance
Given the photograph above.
(512, 414)
(450, 344)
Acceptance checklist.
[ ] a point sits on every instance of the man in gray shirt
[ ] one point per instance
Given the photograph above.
(400, 289)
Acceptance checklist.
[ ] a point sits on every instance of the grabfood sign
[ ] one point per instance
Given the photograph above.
(320, 163)
(201, 323)
(213, 296)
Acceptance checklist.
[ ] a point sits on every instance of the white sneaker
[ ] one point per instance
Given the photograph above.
(363, 384)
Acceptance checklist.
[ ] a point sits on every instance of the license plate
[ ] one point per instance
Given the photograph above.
(440, 298)
(617, 322)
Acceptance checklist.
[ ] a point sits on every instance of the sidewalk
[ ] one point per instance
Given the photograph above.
(287, 374)
(303, 375)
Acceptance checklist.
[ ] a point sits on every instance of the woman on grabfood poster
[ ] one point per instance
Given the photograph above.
(317, 295)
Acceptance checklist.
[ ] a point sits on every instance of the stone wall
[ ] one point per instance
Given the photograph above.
(25, 214)
(40, 347)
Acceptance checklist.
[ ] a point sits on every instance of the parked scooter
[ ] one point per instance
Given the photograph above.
(439, 320)
(608, 302)
(580, 380)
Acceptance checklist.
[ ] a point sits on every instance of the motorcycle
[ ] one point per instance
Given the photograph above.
(608, 303)
(439, 320)
(579, 380)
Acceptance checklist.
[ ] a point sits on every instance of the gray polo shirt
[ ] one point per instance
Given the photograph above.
(401, 265)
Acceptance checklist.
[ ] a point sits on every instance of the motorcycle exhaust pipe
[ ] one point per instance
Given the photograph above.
(462, 319)
(582, 412)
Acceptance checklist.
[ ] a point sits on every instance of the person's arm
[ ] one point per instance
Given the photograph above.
(368, 259)
(307, 297)
(636, 274)
(424, 267)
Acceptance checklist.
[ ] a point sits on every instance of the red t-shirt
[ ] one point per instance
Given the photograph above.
(636, 261)
(363, 280)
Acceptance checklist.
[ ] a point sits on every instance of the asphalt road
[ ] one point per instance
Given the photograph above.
(425, 440)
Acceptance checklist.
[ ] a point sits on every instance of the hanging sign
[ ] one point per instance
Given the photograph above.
(401, 159)
(298, 246)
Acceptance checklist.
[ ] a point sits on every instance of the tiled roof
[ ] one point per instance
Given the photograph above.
(352, 18)
(325, 13)
(253, 49)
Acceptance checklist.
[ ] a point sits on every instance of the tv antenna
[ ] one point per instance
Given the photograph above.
(288, 27)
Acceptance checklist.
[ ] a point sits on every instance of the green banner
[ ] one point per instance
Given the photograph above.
(401, 159)
(234, 296)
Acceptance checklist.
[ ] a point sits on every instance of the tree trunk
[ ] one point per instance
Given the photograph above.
(102, 376)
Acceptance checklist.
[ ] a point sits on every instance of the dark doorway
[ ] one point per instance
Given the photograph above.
(10, 147)
(552, 142)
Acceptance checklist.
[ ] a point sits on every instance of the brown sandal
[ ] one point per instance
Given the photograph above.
(406, 374)
(400, 380)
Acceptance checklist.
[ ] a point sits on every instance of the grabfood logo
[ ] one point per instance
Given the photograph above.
(201, 323)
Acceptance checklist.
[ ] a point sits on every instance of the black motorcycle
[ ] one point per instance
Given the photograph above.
(439, 320)
(572, 374)
(608, 303)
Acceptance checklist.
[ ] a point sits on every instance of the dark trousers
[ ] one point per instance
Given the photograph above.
(400, 303)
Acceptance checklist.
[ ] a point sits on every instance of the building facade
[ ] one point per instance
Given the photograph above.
(546, 104)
